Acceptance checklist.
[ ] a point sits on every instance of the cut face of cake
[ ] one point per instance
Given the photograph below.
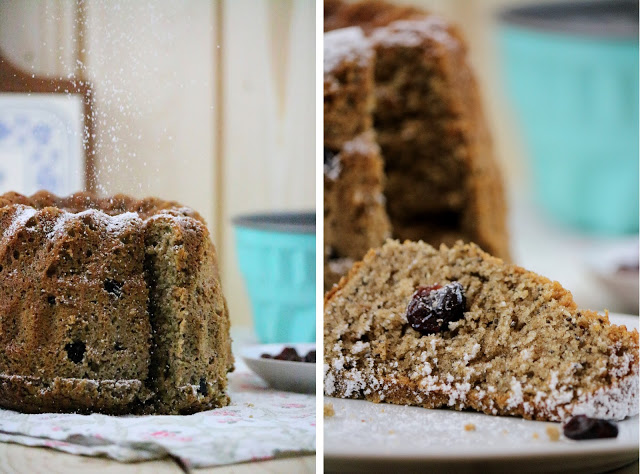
(458, 328)
(404, 76)
(109, 305)
(354, 216)
(348, 86)
(443, 180)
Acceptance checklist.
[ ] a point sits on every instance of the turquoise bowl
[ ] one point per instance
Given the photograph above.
(572, 75)
(277, 258)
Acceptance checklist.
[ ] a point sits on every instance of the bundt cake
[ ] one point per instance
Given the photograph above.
(404, 74)
(109, 305)
(353, 204)
(458, 328)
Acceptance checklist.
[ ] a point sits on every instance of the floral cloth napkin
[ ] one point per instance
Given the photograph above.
(260, 423)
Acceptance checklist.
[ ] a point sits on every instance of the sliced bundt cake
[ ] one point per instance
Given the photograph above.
(111, 305)
(456, 327)
(405, 75)
(353, 205)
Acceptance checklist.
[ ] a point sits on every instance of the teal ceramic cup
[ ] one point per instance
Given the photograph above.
(277, 257)
(572, 75)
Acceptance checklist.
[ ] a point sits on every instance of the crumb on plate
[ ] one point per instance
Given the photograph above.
(329, 410)
(553, 433)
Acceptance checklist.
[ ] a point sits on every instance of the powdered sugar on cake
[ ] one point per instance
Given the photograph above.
(348, 45)
(354, 374)
(332, 168)
(20, 218)
(361, 145)
(614, 403)
(112, 224)
(412, 33)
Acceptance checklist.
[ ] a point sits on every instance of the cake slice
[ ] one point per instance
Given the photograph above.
(458, 328)
(189, 318)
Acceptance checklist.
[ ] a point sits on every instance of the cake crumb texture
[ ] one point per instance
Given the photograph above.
(523, 348)
(402, 76)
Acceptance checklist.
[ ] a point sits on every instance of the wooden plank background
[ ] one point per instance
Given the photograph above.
(211, 103)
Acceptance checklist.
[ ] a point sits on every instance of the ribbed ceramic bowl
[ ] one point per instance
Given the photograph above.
(572, 74)
(277, 257)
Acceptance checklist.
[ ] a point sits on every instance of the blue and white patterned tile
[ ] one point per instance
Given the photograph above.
(41, 143)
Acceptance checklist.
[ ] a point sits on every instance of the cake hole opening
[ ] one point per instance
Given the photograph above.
(31, 222)
(75, 351)
(89, 253)
(16, 255)
(51, 300)
(118, 347)
(113, 287)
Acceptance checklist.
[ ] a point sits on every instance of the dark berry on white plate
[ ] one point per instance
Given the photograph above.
(583, 427)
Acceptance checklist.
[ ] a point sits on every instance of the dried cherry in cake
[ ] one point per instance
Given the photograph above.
(432, 308)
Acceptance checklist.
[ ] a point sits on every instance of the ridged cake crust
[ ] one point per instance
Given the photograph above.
(523, 347)
(82, 321)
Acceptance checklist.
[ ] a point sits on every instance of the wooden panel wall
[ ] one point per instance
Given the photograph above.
(269, 120)
(210, 103)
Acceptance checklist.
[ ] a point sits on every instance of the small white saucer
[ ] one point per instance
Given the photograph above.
(282, 374)
(607, 265)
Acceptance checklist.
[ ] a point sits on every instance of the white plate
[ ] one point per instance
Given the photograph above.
(281, 374)
(364, 436)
